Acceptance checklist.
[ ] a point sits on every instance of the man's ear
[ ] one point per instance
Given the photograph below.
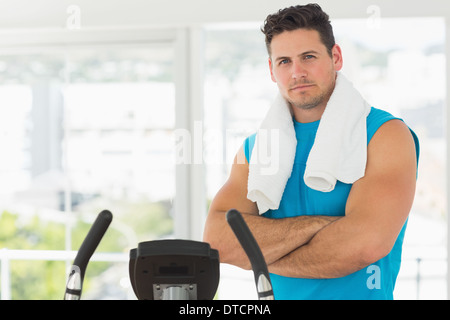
(336, 54)
(271, 70)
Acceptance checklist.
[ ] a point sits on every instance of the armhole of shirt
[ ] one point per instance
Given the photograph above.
(377, 118)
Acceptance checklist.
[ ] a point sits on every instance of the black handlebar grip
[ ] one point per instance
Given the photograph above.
(253, 251)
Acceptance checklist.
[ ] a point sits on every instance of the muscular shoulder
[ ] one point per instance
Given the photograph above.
(392, 147)
(375, 120)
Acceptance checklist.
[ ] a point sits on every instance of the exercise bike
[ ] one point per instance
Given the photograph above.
(172, 269)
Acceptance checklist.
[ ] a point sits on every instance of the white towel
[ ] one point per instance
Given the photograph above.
(339, 151)
(272, 157)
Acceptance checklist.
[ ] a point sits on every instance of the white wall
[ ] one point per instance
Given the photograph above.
(132, 13)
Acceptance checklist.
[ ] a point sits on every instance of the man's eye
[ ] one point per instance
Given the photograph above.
(309, 57)
(284, 61)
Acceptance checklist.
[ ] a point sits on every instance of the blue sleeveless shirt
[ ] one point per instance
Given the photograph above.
(376, 281)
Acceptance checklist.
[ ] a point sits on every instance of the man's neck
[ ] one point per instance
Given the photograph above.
(308, 115)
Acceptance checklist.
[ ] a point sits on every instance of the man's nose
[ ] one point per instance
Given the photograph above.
(298, 71)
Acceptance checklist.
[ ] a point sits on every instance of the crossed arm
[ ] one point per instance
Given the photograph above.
(323, 246)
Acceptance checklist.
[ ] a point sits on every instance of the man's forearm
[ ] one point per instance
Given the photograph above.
(276, 237)
(335, 251)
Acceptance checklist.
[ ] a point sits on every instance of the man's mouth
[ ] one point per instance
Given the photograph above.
(301, 87)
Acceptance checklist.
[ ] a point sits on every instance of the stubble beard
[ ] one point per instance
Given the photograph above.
(307, 102)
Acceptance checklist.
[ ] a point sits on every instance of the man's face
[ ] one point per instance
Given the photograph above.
(303, 70)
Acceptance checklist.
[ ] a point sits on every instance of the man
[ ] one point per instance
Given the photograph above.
(343, 244)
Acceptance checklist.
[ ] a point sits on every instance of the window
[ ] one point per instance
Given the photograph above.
(84, 128)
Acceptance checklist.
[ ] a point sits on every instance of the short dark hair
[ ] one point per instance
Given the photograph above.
(310, 16)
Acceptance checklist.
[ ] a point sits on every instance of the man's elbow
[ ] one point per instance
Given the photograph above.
(213, 241)
(373, 251)
(234, 257)
(227, 254)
